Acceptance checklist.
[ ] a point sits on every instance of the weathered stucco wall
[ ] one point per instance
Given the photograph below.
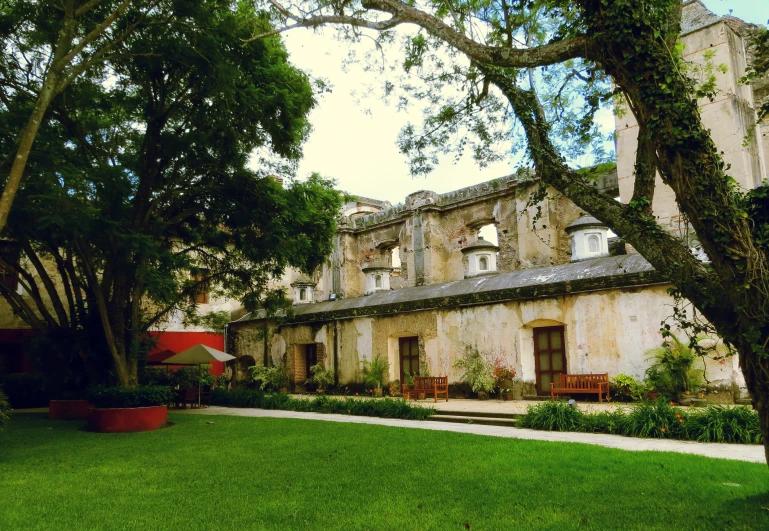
(605, 331)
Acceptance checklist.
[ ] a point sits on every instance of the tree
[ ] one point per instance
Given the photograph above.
(510, 44)
(47, 46)
(139, 197)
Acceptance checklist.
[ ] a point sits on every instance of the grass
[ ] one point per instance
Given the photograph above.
(264, 473)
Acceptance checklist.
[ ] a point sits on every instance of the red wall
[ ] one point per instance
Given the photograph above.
(179, 341)
(12, 346)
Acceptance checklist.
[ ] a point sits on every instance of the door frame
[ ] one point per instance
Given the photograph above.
(537, 372)
(401, 341)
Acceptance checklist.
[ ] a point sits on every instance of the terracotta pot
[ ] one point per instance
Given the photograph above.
(483, 395)
(68, 409)
(507, 396)
(120, 420)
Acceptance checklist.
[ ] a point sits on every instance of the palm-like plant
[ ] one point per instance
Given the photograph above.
(673, 369)
(375, 371)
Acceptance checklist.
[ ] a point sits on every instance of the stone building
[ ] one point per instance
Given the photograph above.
(415, 284)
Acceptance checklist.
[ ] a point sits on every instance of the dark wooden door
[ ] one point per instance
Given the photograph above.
(409, 356)
(549, 356)
(310, 358)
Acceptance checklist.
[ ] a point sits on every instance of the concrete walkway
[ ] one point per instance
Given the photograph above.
(739, 452)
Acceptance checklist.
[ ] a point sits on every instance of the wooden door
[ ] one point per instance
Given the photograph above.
(409, 356)
(310, 358)
(549, 356)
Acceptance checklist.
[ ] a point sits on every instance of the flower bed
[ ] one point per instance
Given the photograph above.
(386, 407)
(121, 409)
(121, 420)
(651, 419)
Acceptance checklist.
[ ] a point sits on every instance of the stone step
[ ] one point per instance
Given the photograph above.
(486, 421)
(476, 414)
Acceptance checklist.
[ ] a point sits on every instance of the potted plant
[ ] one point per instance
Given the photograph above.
(672, 372)
(128, 409)
(375, 372)
(504, 376)
(507, 394)
(321, 377)
(478, 373)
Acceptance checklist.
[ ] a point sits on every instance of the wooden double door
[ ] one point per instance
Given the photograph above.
(408, 348)
(549, 356)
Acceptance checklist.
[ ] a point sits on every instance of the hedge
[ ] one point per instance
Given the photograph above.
(126, 397)
(25, 390)
(651, 419)
(385, 407)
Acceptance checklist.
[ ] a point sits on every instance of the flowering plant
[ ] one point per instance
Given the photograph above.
(502, 371)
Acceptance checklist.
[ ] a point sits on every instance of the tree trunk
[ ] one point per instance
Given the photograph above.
(28, 135)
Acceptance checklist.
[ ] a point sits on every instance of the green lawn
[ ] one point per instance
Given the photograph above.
(259, 473)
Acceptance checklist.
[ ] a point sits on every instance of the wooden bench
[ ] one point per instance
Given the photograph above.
(434, 385)
(569, 384)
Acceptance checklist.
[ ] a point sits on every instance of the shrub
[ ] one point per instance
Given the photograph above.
(5, 410)
(375, 371)
(552, 416)
(722, 424)
(479, 373)
(386, 407)
(651, 419)
(625, 388)
(189, 376)
(321, 376)
(672, 370)
(654, 419)
(119, 397)
(26, 390)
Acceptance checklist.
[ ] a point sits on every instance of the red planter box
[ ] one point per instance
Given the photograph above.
(121, 420)
(68, 409)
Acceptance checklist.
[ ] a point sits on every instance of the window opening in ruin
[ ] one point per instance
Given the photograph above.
(483, 263)
(593, 243)
(378, 281)
(409, 356)
(302, 294)
(395, 258)
(489, 233)
(549, 356)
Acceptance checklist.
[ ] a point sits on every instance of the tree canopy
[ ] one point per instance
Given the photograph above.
(138, 192)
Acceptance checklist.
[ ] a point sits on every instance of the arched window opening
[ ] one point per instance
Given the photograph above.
(489, 233)
(378, 281)
(395, 257)
(302, 294)
(483, 263)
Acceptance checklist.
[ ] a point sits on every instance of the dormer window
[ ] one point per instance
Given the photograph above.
(377, 276)
(303, 290)
(481, 258)
(589, 238)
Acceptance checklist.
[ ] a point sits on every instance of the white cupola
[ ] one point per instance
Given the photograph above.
(303, 290)
(589, 238)
(377, 276)
(481, 257)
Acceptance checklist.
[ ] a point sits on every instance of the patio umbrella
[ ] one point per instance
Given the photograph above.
(198, 355)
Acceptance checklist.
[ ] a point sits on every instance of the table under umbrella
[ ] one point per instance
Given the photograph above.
(198, 355)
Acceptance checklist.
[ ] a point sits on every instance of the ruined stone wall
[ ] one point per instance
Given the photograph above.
(430, 231)
(730, 116)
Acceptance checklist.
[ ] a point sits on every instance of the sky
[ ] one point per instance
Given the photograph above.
(353, 137)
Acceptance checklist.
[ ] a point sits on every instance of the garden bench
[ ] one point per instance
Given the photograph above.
(434, 385)
(569, 384)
